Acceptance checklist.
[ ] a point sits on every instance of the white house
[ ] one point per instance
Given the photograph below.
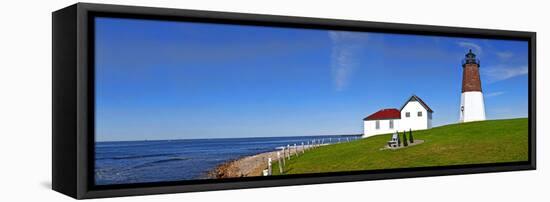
(413, 115)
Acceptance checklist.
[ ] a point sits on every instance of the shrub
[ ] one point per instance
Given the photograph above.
(411, 136)
(398, 140)
(405, 143)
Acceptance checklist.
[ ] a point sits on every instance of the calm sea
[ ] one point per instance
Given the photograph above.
(175, 160)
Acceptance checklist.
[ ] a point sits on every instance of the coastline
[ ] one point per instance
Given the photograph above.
(251, 166)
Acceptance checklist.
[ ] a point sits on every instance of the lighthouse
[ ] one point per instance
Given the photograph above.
(472, 106)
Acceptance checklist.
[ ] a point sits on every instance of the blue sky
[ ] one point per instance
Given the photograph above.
(178, 80)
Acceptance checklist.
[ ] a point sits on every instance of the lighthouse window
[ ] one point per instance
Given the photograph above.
(377, 125)
(407, 114)
(391, 124)
(419, 114)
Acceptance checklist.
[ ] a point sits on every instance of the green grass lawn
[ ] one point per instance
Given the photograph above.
(467, 143)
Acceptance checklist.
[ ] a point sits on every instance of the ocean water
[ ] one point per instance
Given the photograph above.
(127, 162)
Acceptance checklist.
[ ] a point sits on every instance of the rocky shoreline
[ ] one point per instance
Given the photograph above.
(249, 166)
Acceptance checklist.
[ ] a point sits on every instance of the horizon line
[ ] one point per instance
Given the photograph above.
(104, 141)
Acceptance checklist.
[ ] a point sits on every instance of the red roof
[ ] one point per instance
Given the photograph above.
(384, 114)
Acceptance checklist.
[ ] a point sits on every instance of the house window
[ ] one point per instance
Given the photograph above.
(377, 125)
(407, 114)
(391, 124)
(419, 114)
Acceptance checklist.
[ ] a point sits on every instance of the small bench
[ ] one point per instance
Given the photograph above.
(394, 142)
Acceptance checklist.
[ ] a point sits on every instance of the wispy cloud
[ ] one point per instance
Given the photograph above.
(504, 55)
(499, 73)
(477, 48)
(345, 46)
(494, 94)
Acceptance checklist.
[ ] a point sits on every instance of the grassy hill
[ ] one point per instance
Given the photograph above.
(467, 143)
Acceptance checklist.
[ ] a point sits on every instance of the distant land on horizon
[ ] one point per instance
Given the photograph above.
(219, 138)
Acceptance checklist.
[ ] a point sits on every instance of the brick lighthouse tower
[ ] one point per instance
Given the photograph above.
(472, 106)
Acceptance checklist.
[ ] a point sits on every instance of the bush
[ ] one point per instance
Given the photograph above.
(398, 140)
(411, 136)
(405, 143)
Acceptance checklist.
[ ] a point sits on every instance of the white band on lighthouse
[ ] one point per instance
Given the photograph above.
(472, 106)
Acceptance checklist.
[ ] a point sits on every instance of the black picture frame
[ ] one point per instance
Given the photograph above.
(73, 100)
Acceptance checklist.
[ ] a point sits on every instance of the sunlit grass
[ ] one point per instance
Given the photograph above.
(457, 144)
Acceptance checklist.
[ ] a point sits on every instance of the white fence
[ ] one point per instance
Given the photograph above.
(288, 152)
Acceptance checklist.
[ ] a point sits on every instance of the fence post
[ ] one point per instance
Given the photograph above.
(280, 163)
(288, 148)
(269, 166)
(284, 163)
(295, 149)
(303, 148)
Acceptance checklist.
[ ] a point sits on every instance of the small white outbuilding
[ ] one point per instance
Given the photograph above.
(415, 114)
